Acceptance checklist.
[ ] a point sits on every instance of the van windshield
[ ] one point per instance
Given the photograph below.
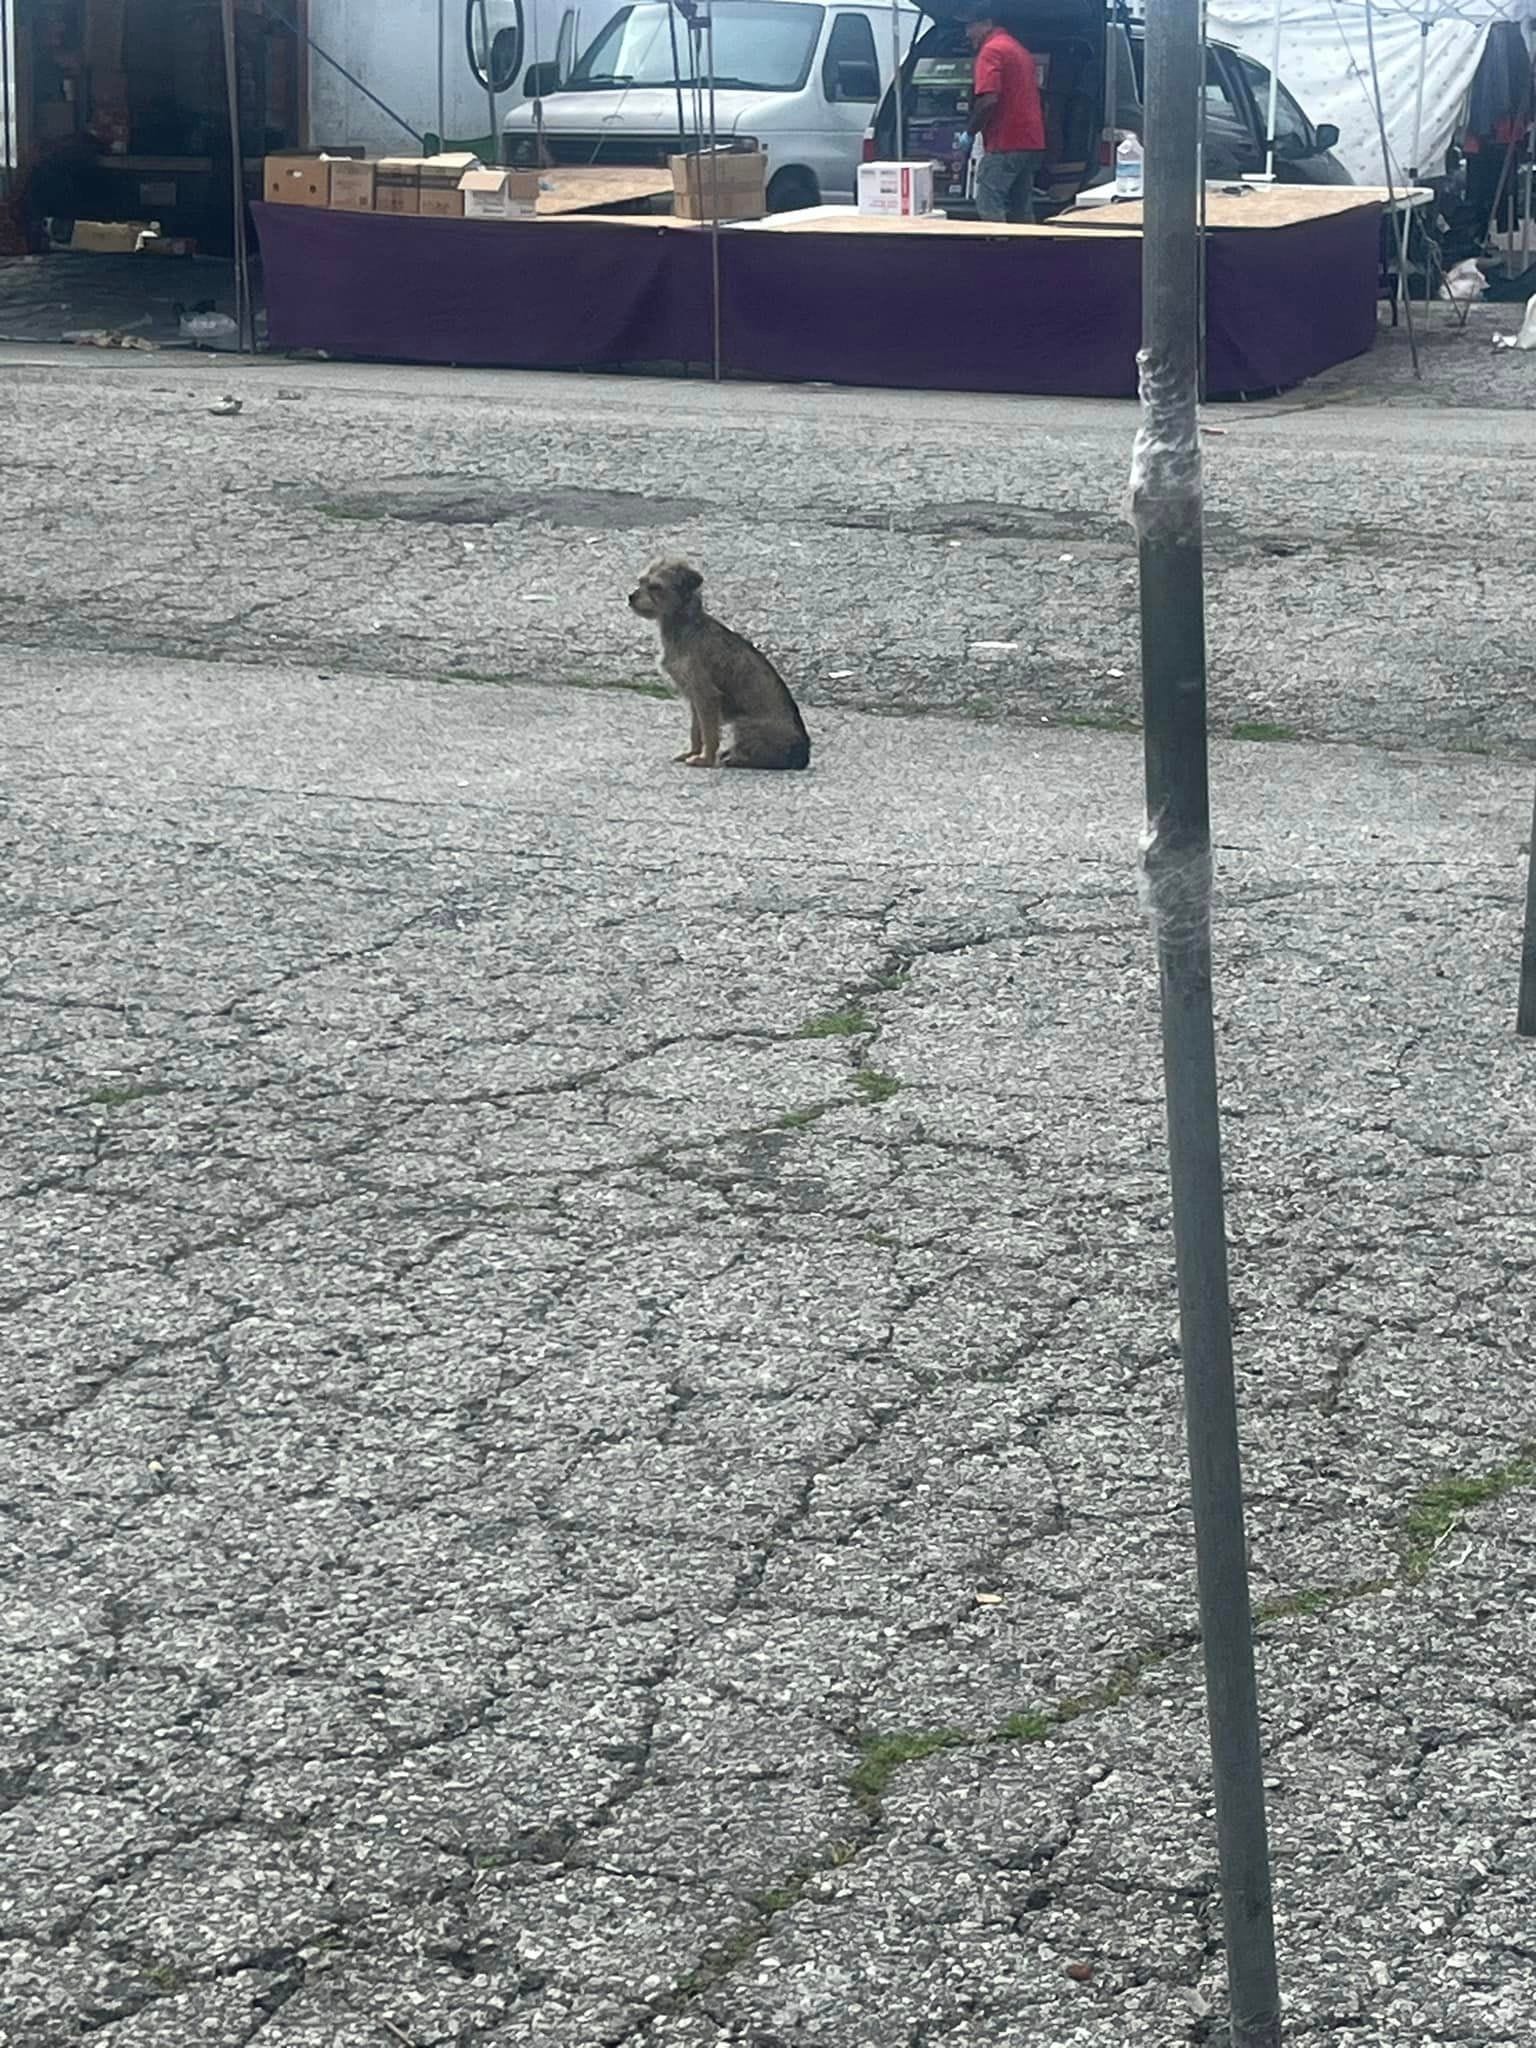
(760, 45)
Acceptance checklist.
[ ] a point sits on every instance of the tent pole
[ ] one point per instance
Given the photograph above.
(244, 314)
(901, 117)
(490, 73)
(442, 110)
(1415, 167)
(7, 117)
(1176, 855)
(714, 180)
(677, 80)
(1398, 220)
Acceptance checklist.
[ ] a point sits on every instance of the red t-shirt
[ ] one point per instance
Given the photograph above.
(1005, 67)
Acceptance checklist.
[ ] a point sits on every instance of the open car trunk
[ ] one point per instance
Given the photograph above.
(1068, 39)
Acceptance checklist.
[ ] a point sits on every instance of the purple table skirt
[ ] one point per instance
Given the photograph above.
(525, 294)
(1058, 315)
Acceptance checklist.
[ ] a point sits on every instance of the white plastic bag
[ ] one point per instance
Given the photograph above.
(1464, 283)
(207, 328)
(1526, 338)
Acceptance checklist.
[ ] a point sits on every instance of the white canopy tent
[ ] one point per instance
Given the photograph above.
(1427, 52)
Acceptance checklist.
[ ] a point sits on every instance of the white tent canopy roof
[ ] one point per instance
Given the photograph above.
(1325, 64)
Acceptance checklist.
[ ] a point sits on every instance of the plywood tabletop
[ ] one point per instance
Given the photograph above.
(845, 220)
(577, 188)
(1255, 206)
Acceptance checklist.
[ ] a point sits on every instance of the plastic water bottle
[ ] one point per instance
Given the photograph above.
(1128, 167)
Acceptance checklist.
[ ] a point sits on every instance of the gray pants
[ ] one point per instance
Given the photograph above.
(1005, 184)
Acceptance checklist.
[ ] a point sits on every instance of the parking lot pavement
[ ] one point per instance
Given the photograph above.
(593, 1436)
(916, 554)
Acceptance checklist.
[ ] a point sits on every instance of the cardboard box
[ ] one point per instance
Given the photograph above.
(352, 186)
(397, 184)
(295, 179)
(500, 195)
(896, 188)
(110, 237)
(734, 181)
(440, 175)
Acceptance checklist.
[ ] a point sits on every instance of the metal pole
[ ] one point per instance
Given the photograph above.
(1166, 509)
(1399, 213)
(1418, 104)
(1274, 96)
(1201, 187)
(714, 180)
(677, 81)
(442, 96)
(901, 112)
(696, 66)
(490, 73)
(1525, 1016)
(244, 314)
(7, 117)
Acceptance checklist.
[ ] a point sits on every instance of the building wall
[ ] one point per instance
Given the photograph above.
(392, 46)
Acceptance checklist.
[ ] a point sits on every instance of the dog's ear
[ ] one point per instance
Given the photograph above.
(686, 579)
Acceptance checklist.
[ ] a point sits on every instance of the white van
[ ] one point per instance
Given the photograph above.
(800, 78)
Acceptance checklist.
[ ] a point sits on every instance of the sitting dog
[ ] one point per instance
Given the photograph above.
(723, 677)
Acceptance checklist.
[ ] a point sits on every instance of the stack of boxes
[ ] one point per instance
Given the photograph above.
(715, 185)
(456, 186)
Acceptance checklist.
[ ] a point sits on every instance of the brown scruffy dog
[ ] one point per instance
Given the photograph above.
(723, 677)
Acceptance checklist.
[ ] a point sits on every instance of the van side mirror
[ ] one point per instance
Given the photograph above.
(540, 80)
(1327, 136)
(856, 81)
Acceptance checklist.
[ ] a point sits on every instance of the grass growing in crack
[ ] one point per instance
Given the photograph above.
(118, 1094)
(883, 1755)
(166, 1977)
(779, 1897)
(1259, 729)
(736, 1946)
(890, 981)
(849, 1023)
(875, 1086)
(1314, 1600)
(1025, 1727)
(802, 1119)
(1435, 1511)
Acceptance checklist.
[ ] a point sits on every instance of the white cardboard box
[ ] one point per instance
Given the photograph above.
(896, 188)
(500, 195)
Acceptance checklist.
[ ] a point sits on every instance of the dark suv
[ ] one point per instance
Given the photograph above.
(1090, 81)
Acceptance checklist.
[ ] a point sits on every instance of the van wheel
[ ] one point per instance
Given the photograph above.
(789, 191)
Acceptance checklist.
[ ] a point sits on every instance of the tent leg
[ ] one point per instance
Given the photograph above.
(245, 317)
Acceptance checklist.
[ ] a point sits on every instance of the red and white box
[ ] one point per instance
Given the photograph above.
(896, 189)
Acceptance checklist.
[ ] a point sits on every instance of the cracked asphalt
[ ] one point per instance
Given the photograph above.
(593, 1437)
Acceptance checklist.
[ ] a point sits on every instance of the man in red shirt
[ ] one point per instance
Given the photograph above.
(1007, 115)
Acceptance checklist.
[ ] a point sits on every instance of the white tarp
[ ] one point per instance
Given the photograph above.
(1325, 64)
